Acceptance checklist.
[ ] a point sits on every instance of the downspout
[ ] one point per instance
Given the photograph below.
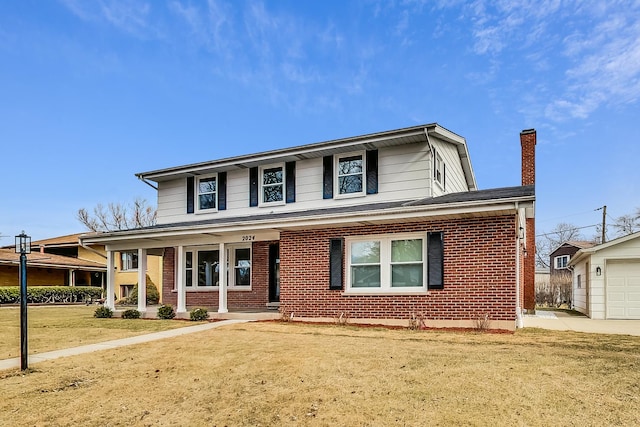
(519, 322)
(430, 146)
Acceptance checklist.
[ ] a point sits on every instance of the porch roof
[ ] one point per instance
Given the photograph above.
(467, 204)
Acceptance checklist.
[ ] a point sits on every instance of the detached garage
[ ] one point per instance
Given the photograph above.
(606, 279)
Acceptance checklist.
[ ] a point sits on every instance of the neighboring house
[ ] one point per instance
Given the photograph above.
(606, 279)
(377, 228)
(126, 269)
(46, 269)
(560, 257)
(542, 277)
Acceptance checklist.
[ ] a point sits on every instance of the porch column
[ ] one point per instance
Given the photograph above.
(142, 280)
(72, 277)
(222, 279)
(111, 280)
(180, 282)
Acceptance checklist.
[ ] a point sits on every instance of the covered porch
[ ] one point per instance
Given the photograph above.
(233, 273)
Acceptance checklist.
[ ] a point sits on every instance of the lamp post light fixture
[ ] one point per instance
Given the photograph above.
(23, 247)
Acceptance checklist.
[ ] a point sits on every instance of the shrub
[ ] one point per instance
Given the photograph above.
(50, 294)
(153, 296)
(198, 314)
(103, 312)
(131, 314)
(166, 312)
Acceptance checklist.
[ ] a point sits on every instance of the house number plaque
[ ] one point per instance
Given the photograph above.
(248, 238)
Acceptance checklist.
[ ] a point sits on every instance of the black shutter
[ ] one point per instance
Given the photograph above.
(190, 196)
(372, 172)
(253, 186)
(327, 177)
(290, 173)
(222, 191)
(435, 260)
(335, 264)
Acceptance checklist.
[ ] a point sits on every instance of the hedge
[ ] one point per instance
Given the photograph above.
(50, 294)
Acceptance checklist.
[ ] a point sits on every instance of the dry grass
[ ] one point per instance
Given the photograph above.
(265, 374)
(53, 328)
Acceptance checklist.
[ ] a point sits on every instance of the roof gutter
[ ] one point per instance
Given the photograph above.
(90, 249)
(143, 179)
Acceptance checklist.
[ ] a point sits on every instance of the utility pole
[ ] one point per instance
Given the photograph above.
(604, 223)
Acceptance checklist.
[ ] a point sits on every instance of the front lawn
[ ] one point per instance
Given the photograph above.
(55, 327)
(272, 373)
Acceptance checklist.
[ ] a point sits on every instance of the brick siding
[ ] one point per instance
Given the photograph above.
(479, 273)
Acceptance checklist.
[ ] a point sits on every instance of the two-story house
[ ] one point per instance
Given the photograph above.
(377, 228)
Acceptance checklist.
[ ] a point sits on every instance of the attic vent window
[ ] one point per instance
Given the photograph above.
(438, 169)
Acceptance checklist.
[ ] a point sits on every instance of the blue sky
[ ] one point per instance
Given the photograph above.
(95, 91)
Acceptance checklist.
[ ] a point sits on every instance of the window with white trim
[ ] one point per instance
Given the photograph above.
(272, 184)
(202, 267)
(391, 263)
(561, 262)
(207, 193)
(128, 260)
(350, 174)
(241, 261)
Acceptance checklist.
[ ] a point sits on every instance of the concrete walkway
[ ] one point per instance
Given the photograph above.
(559, 321)
(50, 355)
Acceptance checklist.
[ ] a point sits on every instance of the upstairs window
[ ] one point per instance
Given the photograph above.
(128, 260)
(272, 184)
(561, 262)
(207, 193)
(350, 174)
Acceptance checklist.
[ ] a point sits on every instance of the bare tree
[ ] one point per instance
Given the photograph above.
(117, 216)
(627, 224)
(548, 242)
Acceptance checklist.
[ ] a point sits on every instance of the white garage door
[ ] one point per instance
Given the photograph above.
(623, 289)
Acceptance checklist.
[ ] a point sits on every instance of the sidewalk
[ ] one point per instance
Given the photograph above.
(563, 322)
(50, 355)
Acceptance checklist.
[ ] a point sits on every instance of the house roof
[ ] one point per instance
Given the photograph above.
(60, 241)
(588, 251)
(578, 244)
(372, 141)
(465, 203)
(46, 260)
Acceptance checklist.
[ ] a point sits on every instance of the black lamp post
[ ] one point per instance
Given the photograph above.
(23, 247)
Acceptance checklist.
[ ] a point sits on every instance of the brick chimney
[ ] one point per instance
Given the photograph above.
(528, 142)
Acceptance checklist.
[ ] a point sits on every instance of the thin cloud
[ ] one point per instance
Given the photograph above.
(600, 53)
(127, 16)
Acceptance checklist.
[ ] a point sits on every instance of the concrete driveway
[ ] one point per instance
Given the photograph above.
(560, 321)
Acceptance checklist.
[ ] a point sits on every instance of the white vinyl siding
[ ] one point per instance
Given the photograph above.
(404, 173)
(455, 180)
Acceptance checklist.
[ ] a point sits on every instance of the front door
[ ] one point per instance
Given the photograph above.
(274, 272)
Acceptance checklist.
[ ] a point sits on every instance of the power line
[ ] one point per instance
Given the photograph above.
(559, 232)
